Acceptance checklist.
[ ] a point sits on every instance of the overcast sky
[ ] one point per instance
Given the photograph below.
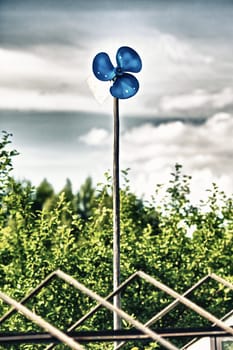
(46, 52)
(47, 48)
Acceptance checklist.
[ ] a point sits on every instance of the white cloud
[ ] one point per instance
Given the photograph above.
(96, 137)
(223, 98)
(21, 66)
(180, 51)
(205, 151)
(26, 99)
(37, 80)
(198, 99)
(37, 77)
(43, 79)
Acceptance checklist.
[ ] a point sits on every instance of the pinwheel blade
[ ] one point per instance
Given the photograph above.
(102, 67)
(128, 60)
(124, 86)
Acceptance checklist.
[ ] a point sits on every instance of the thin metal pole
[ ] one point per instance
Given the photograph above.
(116, 213)
(122, 314)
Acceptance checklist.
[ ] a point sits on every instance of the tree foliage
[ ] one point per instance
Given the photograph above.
(171, 239)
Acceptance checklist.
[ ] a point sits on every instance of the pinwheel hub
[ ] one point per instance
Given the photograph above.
(119, 71)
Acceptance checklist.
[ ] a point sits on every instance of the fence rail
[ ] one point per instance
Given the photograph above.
(111, 335)
(140, 331)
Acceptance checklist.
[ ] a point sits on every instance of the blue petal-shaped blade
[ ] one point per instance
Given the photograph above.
(102, 67)
(124, 86)
(128, 60)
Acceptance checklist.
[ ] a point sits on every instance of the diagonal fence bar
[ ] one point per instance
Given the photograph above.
(70, 280)
(207, 315)
(98, 306)
(154, 336)
(172, 305)
(158, 315)
(149, 334)
(41, 322)
(222, 281)
(27, 297)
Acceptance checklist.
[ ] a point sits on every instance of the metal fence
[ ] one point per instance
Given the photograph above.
(77, 339)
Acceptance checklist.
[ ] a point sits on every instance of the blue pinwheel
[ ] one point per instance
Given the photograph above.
(125, 85)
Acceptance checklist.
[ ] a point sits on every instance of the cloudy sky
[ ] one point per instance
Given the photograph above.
(61, 117)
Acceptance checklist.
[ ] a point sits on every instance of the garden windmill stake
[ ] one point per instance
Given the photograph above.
(116, 209)
(124, 86)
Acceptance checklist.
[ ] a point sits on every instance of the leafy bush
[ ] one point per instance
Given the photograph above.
(42, 231)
